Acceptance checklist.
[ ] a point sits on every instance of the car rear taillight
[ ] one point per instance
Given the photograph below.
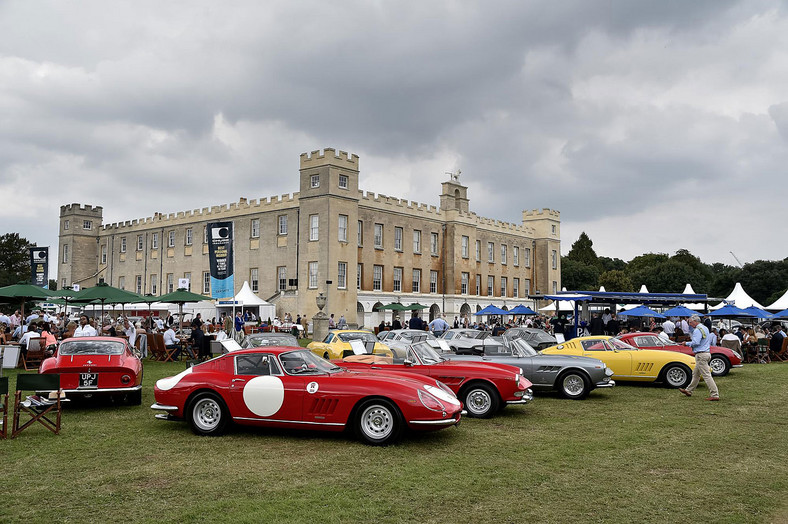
(125, 379)
(430, 402)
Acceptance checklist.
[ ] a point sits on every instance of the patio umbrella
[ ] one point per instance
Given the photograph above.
(416, 307)
(24, 292)
(522, 310)
(394, 306)
(679, 311)
(729, 311)
(758, 312)
(640, 311)
(180, 297)
(492, 310)
(781, 314)
(105, 293)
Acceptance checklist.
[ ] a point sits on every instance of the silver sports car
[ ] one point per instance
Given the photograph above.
(573, 377)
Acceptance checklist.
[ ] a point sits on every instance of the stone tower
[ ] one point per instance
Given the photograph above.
(80, 226)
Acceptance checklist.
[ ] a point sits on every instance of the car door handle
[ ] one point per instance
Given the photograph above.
(239, 380)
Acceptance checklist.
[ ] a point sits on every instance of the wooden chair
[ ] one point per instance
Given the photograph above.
(36, 354)
(4, 407)
(165, 353)
(781, 355)
(156, 347)
(37, 413)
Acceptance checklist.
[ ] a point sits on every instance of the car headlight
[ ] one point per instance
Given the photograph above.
(737, 355)
(430, 402)
(609, 372)
(446, 389)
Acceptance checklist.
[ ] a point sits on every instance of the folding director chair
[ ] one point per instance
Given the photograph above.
(40, 409)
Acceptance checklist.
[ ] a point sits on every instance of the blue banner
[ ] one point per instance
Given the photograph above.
(220, 257)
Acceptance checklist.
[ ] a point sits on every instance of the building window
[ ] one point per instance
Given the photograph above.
(464, 283)
(478, 285)
(188, 278)
(416, 281)
(122, 282)
(358, 276)
(516, 287)
(170, 282)
(255, 228)
(189, 238)
(478, 251)
(433, 281)
(63, 284)
(503, 254)
(282, 224)
(313, 227)
(343, 228)
(378, 236)
(516, 255)
(555, 287)
(103, 253)
(397, 279)
(360, 233)
(490, 285)
(154, 241)
(554, 258)
(490, 252)
(206, 283)
(342, 181)
(342, 275)
(87, 224)
(139, 243)
(433, 243)
(465, 241)
(314, 181)
(504, 286)
(281, 277)
(398, 238)
(416, 241)
(527, 256)
(313, 275)
(154, 284)
(554, 229)
(122, 244)
(205, 234)
(526, 286)
(65, 253)
(138, 284)
(377, 278)
(171, 239)
(66, 224)
(254, 281)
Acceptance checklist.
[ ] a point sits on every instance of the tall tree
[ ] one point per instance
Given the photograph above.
(582, 251)
(14, 259)
(616, 280)
(578, 276)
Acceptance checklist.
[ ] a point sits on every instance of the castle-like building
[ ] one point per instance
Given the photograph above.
(359, 249)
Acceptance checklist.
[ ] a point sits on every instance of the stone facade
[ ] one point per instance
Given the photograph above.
(307, 243)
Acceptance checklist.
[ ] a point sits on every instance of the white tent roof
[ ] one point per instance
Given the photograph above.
(247, 298)
(780, 304)
(602, 288)
(563, 305)
(643, 289)
(738, 298)
(689, 291)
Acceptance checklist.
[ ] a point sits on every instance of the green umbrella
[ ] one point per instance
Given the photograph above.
(24, 292)
(180, 297)
(105, 293)
(416, 307)
(394, 306)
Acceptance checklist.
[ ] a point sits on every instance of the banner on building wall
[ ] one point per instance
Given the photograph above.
(39, 266)
(220, 255)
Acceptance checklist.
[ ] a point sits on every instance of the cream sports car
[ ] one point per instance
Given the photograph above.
(630, 363)
(337, 345)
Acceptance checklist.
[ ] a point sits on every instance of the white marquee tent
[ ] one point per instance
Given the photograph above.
(246, 299)
(738, 298)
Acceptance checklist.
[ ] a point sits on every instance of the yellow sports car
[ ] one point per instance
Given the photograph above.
(630, 363)
(337, 344)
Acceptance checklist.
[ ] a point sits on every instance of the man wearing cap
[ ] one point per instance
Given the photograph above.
(700, 343)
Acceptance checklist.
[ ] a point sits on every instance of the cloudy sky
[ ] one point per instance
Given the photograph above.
(652, 126)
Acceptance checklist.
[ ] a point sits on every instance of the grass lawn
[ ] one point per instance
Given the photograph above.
(629, 454)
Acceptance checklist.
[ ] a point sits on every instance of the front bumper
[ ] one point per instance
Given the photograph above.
(164, 407)
(441, 422)
(608, 384)
(738, 366)
(528, 396)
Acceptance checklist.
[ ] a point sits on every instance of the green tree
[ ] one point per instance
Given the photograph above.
(611, 264)
(616, 280)
(723, 280)
(578, 276)
(14, 259)
(52, 284)
(582, 251)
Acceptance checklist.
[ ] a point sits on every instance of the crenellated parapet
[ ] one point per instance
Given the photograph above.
(329, 156)
(544, 213)
(399, 205)
(81, 209)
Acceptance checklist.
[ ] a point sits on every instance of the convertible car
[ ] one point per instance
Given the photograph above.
(337, 344)
(572, 376)
(407, 335)
(93, 366)
(484, 387)
(722, 359)
(631, 363)
(293, 388)
(256, 340)
(466, 341)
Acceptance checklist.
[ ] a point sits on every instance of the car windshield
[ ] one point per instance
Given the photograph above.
(426, 354)
(617, 344)
(408, 335)
(305, 362)
(91, 347)
(521, 348)
(364, 337)
(539, 336)
(262, 340)
(473, 334)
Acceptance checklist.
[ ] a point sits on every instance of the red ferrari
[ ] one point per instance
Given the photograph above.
(294, 388)
(484, 387)
(722, 359)
(92, 366)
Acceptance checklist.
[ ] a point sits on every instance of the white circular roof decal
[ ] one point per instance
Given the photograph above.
(264, 395)
(312, 387)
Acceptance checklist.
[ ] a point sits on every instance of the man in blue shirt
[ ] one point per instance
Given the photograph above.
(439, 326)
(701, 346)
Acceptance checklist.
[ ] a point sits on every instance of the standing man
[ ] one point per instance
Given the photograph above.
(84, 329)
(701, 345)
(439, 326)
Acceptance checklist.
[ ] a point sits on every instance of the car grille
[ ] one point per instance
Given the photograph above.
(548, 369)
(644, 367)
(323, 406)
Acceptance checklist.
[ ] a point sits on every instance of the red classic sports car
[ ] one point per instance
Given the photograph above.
(294, 388)
(484, 387)
(91, 366)
(722, 359)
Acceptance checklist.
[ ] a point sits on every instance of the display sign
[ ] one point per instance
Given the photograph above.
(39, 266)
(220, 255)
(183, 283)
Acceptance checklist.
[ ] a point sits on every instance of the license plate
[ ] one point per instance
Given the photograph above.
(88, 380)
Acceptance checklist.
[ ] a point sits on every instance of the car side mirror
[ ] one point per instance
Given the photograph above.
(408, 362)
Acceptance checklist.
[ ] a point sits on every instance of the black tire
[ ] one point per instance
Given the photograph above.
(676, 375)
(378, 422)
(208, 414)
(573, 385)
(481, 400)
(720, 365)
(134, 398)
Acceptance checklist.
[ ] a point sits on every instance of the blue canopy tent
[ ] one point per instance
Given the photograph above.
(492, 310)
(781, 314)
(640, 311)
(679, 311)
(522, 310)
(730, 311)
